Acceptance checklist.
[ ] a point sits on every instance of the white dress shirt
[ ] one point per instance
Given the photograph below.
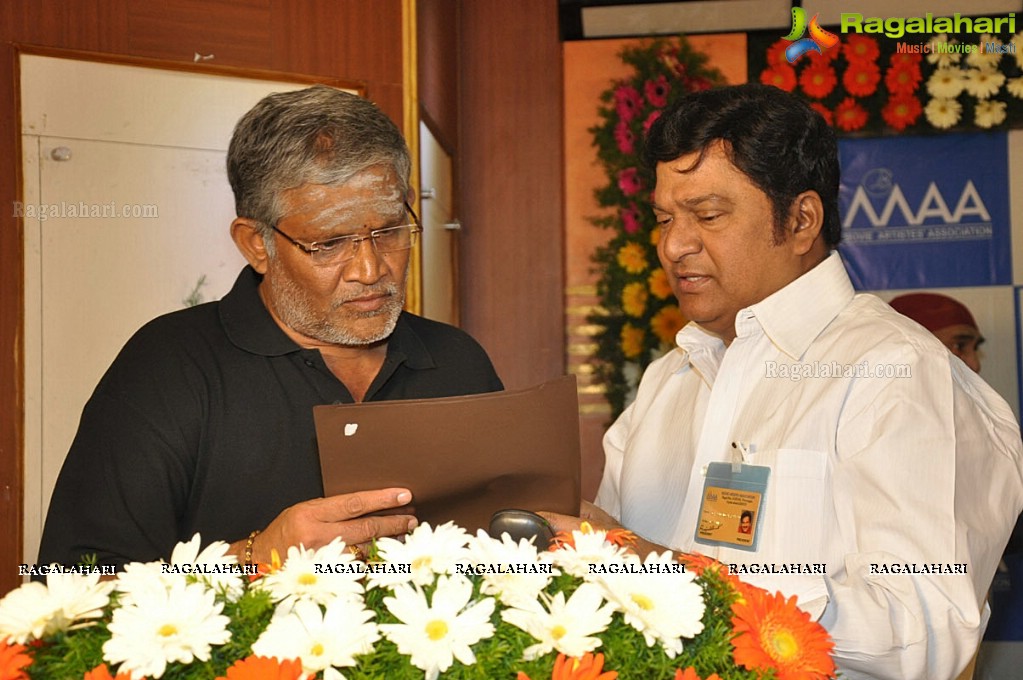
(907, 457)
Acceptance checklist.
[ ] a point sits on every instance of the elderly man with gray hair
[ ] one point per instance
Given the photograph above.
(204, 421)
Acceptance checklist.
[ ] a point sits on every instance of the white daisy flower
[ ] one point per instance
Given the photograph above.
(590, 547)
(212, 566)
(983, 84)
(986, 60)
(511, 588)
(663, 604)
(224, 578)
(1015, 87)
(943, 113)
(33, 610)
(162, 626)
(989, 113)
(305, 576)
(137, 577)
(946, 83)
(938, 55)
(434, 634)
(427, 550)
(568, 626)
(323, 640)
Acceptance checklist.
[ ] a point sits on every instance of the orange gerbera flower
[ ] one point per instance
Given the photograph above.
(658, 282)
(666, 323)
(634, 297)
(902, 79)
(901, 111)
(861, 78)
(690, 674)
(632, 341)
(818, 80)
(860, 48)
(850, 115)
(781, 76)
(632, 258)
(587, 667)
(14, 661)
(263, 668)
(101, 672)
(824, 111)
(773, 633)
(619, 536)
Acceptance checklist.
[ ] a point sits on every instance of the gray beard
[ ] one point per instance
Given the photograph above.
(295, 309)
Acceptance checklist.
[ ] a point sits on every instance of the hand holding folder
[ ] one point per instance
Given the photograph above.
(463, 458)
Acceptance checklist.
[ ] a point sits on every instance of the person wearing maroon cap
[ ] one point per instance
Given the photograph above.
(947, 319)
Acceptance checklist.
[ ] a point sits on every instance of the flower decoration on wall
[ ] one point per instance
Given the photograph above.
(624, 618)
(639, 317)
(871, 84)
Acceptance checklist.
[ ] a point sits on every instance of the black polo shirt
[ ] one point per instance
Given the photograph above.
(204, 423)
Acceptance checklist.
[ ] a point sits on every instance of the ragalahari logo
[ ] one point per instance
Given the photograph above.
(818, 41)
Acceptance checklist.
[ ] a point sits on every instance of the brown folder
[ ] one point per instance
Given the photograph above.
(463, 458)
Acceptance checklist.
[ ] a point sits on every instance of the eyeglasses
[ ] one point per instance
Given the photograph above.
(344, 248)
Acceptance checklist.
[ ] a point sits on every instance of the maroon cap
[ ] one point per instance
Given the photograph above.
(933, 311)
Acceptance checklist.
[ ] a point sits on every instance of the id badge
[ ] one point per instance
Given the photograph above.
(732, 506)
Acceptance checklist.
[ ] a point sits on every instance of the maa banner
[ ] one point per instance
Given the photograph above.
(926, 212)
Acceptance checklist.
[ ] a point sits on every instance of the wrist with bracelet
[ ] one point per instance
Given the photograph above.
(248, 547)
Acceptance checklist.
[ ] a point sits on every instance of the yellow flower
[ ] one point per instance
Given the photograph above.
(632, 341)
(666, 323)
(632, 257)
(634, 298)
(658, 283)
(655, 236)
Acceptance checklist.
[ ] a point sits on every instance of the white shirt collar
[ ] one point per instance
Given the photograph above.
(791, 317)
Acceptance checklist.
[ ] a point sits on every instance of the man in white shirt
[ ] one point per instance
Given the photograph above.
(893, 473)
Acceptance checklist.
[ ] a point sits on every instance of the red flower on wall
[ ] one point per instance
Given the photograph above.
(824, 111)
(850, 115)
(818, 80)
(657, 91)
(859, 48)
(903, 79)
(901, 111)
(628, 102)
(860, 78)
(776, 53)
(624, 137)
(781, 76)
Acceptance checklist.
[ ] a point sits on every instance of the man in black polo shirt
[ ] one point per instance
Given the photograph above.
(204, 421)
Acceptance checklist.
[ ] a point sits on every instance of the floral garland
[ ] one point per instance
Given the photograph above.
(639, 315)
(867, 86)
(443, 603)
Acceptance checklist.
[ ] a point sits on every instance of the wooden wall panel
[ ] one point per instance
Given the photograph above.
(438, 69)
(510, 184)
(351, 40)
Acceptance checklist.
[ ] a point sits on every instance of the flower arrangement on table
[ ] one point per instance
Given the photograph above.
(639, 316)
(865, 85)
(436, 605)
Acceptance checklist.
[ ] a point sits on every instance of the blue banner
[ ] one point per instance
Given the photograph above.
(926, 212)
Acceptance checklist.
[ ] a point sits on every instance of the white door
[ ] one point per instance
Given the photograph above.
(441, 231)
(127, 208)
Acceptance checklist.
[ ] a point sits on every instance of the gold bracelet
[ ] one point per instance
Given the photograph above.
(248, 547)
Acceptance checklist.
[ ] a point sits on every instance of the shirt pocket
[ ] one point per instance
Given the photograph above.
(793, 523)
